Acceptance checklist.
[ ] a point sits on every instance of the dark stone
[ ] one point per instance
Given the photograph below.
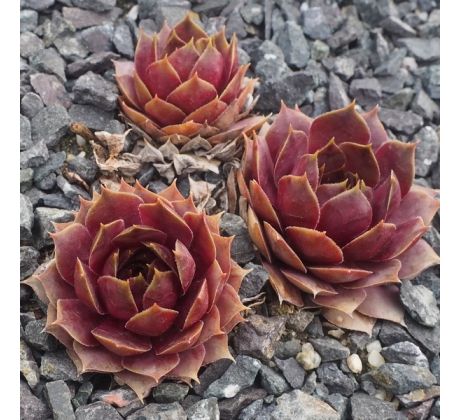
(367, 92)
(230, 408)
(91, 116)
(97, 63)
(392, 63)
(426, 336)
(392, 333)
(49, 61)
(395, 26)
(358, 341)
(58, 395)
(293, 44)
(420, 303)
(316, 23)
(31, 103)
(339, 403)
(71, 191)
(242, 248)
(405, 352)
(258, 335)
(399, 121)
(286, 349)
(97, 38)
(32, 407)
(430, 80)
(36, 337)
(123, 41)
(54, 162)
(120, 397)
(422, 49)
(399, 100)
(211, 374)
(38, 5)
(365, 407)
(30, 44)
(97, 411)
(236, 378)
(299, 321)
(93, 89)
(25, 133)
(272, 382)
(252, 411)
(57, 365)
(26, 218)
(292, 371)
(335, 380)
(70, 47)
(34, 156)
(26, 178)
(83, 394)
(400, 379)
(206, 409)
(425, 106)
(50, 125)
(329, 349)
(96, 5)
(29, 264)
(84, 167)
(171, 411)
(419, 395)
(349, 32)
(427, 151)
(254, 281)
(315, 328)
(85, 18)
(168, 392)
(252, 13)
(430, 280)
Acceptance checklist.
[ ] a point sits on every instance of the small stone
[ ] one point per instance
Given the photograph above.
(229, 408)
(373, 12)
(425, 106)
(119, 397)
(49, 61)
(83, 394)
(330, 349)
(365, 407)
(299, 321)
(28, 261)
(54, 162)
(286, 349)
(375, 359)
(254, 281)
(30, 44)
(252, 411)
(34, 156)
(84, 167)
(97, 411)
(29, 20)
(338, 97)
(374, 346)
(399, 100)
(430, 79)
(31, 103)
(367, 92)
(58, 395)
(26, 218)
(398, 378)
(91, 116)
(258, 335)
(123, 41)
(238, 376)
(84, 18)
(395, 26)
(420, 303)
(272, 382)
(171, 411)
(315, 23)
(252, 13)
(405, 352)
(168, 392)
(319, 50)
(435, 367)
(130, 408)
(391, 333)
(57, 365)
(422, 49)
(308, 357)
(30, 406)
(96, 5)
(210, 374)
(206, 409)
(400, 121)
(37, 338)
(93, 89)
(71, 191)
(427, 336)
(38, 5)
(28, 366)
(25, 133)
(427, 151)
(419, 395)
(97, 63)
(344, 67)
(97, 38)
(300, 405)
(50, 125)
(315, 328)
(292, 371)
(335, 380)
(354, 363)
(294, 45)
(392, 63)
(339, 403)
(242, 249)
(349, 32)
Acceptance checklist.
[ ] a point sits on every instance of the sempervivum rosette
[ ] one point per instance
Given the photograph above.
(184, 83)
(142, 285)
(334, 212)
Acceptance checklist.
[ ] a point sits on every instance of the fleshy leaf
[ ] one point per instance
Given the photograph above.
(117, 297)
(97, 359)
(216, 349)
(85, 285)
(283, 288)
(152, 321)
(162, 290)
(103, 243)
(308, 283)
(185, 265)
(345, 300)
(355, 321)
(361, 160)
(151, 365)
(416, 259)
(383, 302)
(177, 341)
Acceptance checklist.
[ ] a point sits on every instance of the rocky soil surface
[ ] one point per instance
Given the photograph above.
(318, 54)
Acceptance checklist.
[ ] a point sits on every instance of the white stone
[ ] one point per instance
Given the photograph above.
(338, 333)
(375, 359)
(374, 345)
(354, 363)
(308, 357)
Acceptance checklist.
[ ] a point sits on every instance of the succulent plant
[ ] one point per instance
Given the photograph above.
(335, 214)
(184, 83)
(141, 285)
